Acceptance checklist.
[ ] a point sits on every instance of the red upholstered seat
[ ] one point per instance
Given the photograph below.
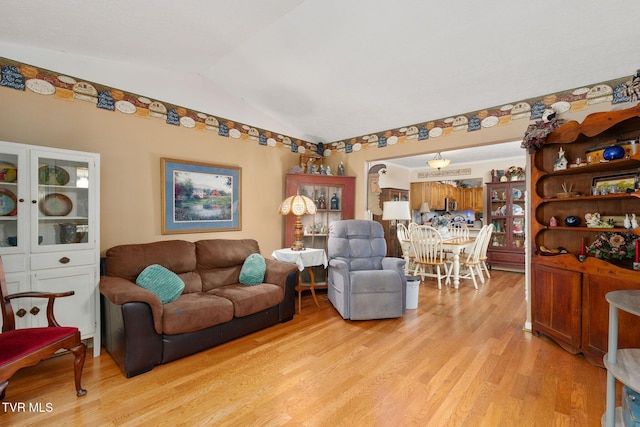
(21, 342)
(20, 348)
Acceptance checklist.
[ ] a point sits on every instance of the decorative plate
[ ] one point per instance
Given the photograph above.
(40, 86)
(52, 175)
(8, 203)
(517, 210)
(56, 204)
(517, 193)
(8, 172)
(459, 219)
(125, 107)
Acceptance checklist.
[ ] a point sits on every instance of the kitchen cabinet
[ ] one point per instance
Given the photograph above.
(434, 193)
(49, 233)
(557, 245)
(506, 212)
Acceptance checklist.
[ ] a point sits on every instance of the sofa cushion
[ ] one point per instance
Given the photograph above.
(219, 261)
(128, 261)
(195, 311)
(253, 269)
(162, 282)
(250, 299)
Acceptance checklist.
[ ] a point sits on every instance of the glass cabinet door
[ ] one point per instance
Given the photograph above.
(499, 216)
(13, 192)
(328, 200)
(517, 216)
(60, 195)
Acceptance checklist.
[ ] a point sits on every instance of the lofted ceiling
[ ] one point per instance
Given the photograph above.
(326, 70)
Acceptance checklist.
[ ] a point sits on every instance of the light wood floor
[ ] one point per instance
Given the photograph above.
(460, 359)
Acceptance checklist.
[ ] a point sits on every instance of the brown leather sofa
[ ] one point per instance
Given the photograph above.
(140, 332)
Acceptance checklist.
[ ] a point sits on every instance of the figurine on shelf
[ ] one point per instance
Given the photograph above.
(634, 221)
(594, 221)
(322, 202)
(341, 169)
(335, 203)
(329, 170)
(627, 221)
(561, 162)
(553, 222)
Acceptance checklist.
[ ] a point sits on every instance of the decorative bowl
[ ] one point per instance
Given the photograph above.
(613, 152)
(572, 221)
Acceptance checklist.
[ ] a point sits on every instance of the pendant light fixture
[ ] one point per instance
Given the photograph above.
(438, 162)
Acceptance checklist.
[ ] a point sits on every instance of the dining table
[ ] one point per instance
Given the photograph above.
(456, 245)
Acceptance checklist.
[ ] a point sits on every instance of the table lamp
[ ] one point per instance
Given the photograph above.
(424, 208)
(297, 205)
(395, 211)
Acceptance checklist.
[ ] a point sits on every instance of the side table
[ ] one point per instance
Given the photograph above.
(305, 258)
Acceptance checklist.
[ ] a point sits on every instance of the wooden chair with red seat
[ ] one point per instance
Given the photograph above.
(20, 348)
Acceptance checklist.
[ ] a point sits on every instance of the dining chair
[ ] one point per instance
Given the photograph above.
(458, 229)
(485, 246)
(402, 233)
(426, 243)
(470, 264)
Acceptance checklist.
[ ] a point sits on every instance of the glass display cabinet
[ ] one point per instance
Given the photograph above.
(49, 233)
(506, 212)
(334, 199)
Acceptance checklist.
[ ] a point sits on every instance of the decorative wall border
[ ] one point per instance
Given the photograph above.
(20, 76)
(617, 91)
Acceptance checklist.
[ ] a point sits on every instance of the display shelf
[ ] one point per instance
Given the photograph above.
(568, 291)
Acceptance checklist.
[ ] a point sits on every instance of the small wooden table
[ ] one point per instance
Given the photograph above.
(308, 257)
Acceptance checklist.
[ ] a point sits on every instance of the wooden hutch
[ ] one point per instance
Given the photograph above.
(568, 290)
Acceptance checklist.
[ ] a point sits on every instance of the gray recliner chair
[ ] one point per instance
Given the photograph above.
(363, 282)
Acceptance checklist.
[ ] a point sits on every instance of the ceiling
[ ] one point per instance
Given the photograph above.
(326, 70)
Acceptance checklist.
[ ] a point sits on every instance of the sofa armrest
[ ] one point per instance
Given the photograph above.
(121, 291)
(277, 272)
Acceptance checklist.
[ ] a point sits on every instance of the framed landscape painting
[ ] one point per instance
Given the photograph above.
(199, 197)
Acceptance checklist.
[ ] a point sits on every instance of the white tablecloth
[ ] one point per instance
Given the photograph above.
(305, 258)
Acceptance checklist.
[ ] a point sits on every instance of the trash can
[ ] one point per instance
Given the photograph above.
(413, 287)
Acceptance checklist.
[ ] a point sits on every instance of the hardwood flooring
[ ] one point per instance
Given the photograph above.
(461, 359)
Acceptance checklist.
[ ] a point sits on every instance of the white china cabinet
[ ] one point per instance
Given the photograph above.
(49, 233)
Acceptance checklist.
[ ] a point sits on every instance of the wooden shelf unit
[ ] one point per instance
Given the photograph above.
(568, 296)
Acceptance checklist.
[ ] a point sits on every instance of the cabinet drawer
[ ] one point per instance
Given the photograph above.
(510, 257)
(62, 259)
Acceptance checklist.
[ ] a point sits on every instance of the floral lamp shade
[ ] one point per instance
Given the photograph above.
(297, 205)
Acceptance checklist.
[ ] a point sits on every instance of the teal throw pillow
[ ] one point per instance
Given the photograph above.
(253, 270)
(164, 283)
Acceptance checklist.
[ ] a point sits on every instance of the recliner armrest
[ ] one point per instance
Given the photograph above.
(391, 263)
